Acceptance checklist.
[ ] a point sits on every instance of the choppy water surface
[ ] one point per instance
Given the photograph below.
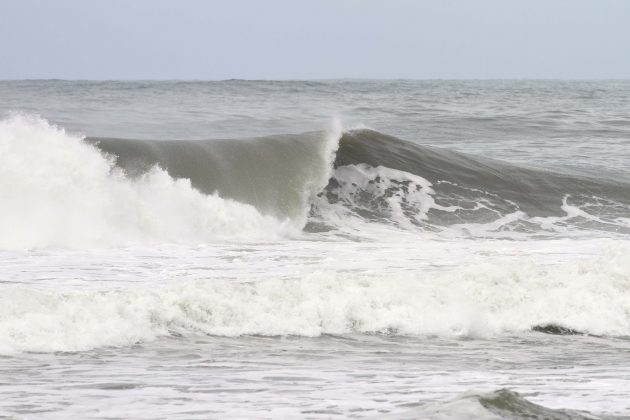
(314, 249)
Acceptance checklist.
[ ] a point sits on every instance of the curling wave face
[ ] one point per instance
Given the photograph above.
(381, 178)
(345, 180)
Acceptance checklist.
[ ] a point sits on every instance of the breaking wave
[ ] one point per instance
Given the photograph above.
(343, 180)
(65, 191)
(384, 179)
(62, 190)
(59, 191)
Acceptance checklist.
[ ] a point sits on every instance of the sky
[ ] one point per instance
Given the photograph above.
(314, 39)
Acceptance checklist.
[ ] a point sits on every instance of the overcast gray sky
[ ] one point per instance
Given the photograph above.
(313, 39)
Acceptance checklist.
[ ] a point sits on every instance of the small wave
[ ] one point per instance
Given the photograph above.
(495, 405)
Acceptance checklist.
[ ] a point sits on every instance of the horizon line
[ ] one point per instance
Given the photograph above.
(331, 79)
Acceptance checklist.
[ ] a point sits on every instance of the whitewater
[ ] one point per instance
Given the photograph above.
(335, 249)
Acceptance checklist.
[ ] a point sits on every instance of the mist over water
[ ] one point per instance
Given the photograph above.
(265, 246)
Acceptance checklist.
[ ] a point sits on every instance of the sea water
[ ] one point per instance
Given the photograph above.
(320, 249)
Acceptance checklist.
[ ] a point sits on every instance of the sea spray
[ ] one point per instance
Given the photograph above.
(59, 191)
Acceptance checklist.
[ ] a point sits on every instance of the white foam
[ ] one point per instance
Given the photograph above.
(402, 206)
(57, 190)
(476, 300)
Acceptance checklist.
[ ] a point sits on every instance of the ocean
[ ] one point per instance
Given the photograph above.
(314, 249)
